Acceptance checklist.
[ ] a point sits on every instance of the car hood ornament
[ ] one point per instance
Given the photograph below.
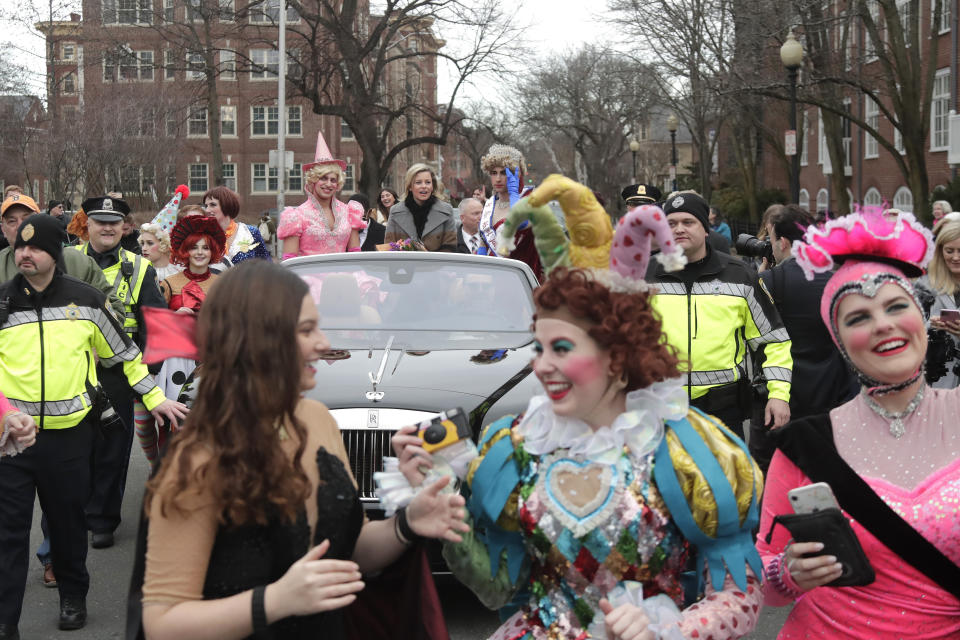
(373, 395)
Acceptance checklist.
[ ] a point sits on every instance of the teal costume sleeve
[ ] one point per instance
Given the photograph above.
(490, 560)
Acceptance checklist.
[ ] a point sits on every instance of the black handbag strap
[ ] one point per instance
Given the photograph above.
(808, 443)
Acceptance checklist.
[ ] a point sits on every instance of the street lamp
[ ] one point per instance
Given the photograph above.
(672, 124)
(634, 147)
(791, 55)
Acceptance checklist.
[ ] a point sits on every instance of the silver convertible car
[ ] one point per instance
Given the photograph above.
(415, 333)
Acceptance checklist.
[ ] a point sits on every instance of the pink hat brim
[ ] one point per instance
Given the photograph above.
(310, 165)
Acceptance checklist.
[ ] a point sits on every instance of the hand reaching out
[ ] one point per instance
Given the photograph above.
(171, 410)
(513, 184)
(312, 585)
(433, 514)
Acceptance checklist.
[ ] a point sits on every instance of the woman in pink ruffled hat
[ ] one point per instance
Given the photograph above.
(891, 455)
(322, 224)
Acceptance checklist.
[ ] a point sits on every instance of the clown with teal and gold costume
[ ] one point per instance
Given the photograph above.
(586, 510)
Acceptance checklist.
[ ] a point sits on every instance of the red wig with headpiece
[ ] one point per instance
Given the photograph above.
(190, 230)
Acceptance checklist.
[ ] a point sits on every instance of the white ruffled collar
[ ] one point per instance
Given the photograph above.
(640, 427)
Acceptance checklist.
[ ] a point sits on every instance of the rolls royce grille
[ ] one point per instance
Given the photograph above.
(365, 450)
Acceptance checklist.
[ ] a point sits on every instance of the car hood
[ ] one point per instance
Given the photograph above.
(432, 381)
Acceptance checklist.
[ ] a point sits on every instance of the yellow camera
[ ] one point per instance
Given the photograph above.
(444, 430)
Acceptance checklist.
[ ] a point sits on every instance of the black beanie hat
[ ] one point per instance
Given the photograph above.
(42, 231)
(689, 203)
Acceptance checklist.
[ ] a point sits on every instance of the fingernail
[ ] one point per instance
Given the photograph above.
(819, 546)
(831, 558)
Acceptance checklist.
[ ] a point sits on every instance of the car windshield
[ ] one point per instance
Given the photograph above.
(421, 304)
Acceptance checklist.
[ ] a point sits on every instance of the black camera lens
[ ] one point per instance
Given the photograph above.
(752, 247)
(434, 434)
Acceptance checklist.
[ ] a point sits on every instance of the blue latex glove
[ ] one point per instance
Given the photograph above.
(513, 185)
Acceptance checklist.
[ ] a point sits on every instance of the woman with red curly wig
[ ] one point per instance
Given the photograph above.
(585, 509)
(195, 243)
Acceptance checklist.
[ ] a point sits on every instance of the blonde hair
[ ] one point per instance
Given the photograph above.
(939, 275)
(185, 210)
(163, 238)
(501, 155)
(315, 173)
(420, 167)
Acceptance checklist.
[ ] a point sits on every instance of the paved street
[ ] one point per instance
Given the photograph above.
(110, 576)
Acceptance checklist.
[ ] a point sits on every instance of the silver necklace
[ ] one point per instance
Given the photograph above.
(897, 428)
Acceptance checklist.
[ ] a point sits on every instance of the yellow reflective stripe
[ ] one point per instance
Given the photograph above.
(54, 407)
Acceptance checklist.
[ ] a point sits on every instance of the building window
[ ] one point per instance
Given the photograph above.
(264, 121)
(804, 199)
(126, 11)
(169, 66)
(294, 121)
(197, 122)
(945, 13)
(903, 200)
(195, 66)
(939, 110)
(225, 9)
(195, 10)
(172, 123)
(68, 52)
(228, 65)
(268, 12)
(348, 181)
(228, 121)
(136, 65)
(69, 113)
(823, 200)
(136, 180)
(871, 114)
(346, 133)
(169, 12)
(229, 172)
(198, 180)
(146, 125)
(265, 64)
(264, 179)
(69, 83)
(872, 198)
(873, 47)
(295, 178)
(803, 136)
(903, 8)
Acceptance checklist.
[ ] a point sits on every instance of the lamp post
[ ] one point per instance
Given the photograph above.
(672, 124)
(791, 55)
(634, 147)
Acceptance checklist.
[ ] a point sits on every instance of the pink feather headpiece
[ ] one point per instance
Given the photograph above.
(903, 243)
(630, 253)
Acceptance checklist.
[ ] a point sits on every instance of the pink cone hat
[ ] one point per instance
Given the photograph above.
(323, 155)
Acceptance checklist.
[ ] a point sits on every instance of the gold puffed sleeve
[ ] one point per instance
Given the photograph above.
(741, 471)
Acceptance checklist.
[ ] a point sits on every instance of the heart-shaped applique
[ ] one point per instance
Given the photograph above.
(580, 494)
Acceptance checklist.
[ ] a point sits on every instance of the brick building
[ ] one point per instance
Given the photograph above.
(117, 60)
(872, 175)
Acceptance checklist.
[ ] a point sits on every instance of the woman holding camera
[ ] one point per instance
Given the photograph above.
(939, 293)
(891, 455)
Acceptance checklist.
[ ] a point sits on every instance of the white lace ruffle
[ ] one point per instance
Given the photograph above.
(395, 491)
(663, 614)
(640, 427)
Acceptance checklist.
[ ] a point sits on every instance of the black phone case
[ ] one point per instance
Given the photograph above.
(830, 527)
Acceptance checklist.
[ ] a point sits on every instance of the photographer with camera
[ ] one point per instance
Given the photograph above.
(712, 310)
(821, 379)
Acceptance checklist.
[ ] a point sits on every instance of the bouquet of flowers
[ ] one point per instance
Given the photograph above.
(406, 245)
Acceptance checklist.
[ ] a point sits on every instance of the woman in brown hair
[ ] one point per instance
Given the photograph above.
(243, 240)
(254, 522)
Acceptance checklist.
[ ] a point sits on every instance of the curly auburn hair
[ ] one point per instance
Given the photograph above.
(181, 255)
(622, 323)
(230, 443)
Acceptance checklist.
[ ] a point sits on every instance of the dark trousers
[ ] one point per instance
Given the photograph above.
(57, 470)
(730, 414)
(111, 455)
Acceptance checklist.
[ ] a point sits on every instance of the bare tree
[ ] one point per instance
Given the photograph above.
(690, 43)
(592, 100)
(375, 72)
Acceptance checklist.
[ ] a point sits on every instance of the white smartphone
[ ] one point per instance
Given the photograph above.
(812, 498)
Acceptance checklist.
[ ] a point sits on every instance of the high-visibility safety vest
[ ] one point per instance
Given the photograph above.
(126, 276)
(713, 321)
(47, 364)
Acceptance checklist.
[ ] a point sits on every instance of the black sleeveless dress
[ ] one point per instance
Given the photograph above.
(247, 556)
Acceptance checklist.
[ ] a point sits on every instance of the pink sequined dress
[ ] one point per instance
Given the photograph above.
(308, 223)
(918, 476)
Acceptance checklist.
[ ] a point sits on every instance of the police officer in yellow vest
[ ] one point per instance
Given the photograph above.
(52, 327)
(135, 283)
(713, 310)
